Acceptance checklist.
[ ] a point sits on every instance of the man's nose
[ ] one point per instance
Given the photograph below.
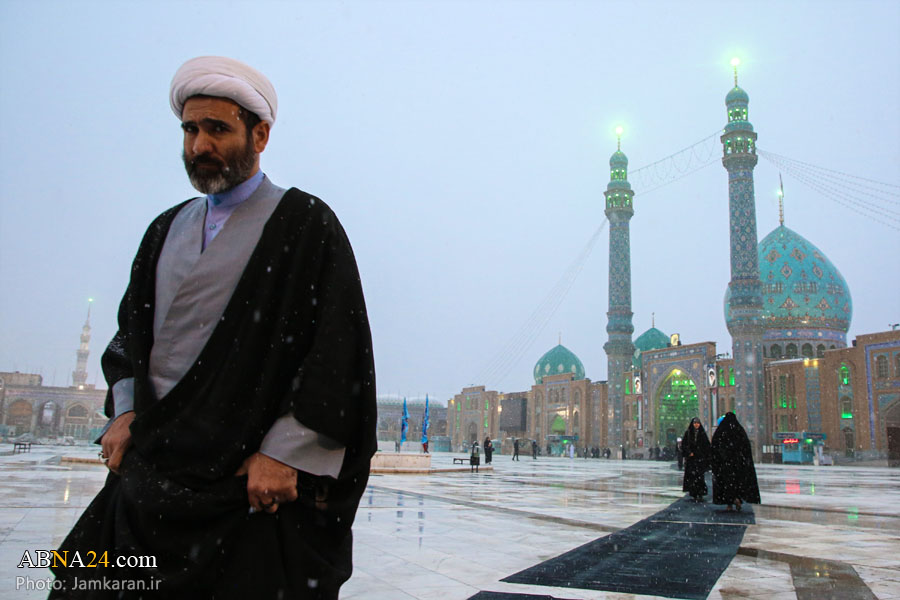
(202, 144)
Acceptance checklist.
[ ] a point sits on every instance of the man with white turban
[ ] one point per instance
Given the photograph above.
(242, 385)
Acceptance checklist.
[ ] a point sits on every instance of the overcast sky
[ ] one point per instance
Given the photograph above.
(465, 148)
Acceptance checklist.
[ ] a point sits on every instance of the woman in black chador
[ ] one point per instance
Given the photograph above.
(695, 449)
(488, 450)
(734, 476)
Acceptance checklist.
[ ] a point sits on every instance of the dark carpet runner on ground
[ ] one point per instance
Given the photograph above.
(680, 552)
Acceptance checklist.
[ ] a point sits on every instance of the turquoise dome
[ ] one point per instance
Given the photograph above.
(618, 160)
(737, 95)
(556, 361)
(652, 339)
(805, 297)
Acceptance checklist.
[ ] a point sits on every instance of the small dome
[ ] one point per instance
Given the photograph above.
(618, 160)
(801, 290)
(556, 361)
(737, 95)
(652, 339)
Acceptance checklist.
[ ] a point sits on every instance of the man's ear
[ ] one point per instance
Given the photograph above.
(260, 135)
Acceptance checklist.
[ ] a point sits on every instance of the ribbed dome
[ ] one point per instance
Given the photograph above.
(618, 160)
(652, 339)
(805, 297)
(737, 95)
(556, 361)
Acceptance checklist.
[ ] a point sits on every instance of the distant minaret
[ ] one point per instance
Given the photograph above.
(619, 349)
(744, 313)
(79, 375)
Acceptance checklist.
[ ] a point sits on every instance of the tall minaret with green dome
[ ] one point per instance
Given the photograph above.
(619, 349)
(743, 312)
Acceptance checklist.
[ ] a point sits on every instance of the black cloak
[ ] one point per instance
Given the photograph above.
(734, 476)
(294, 339)
(695, 466)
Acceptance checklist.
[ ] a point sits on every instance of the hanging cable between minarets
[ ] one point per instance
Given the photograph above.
(509, 355)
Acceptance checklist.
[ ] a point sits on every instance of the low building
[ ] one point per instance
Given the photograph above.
(28, 406)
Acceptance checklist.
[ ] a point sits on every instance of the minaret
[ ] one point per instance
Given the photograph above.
(744, 312)
(619, 349)
(79, 375)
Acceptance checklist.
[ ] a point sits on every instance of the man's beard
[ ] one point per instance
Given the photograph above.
(211, 176)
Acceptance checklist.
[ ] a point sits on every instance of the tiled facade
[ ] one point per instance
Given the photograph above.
(852, 395)
(28, 406)
(473, 415)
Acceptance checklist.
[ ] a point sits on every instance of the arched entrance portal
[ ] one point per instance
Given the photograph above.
(18, 416)
(892, 433)
(676, 405)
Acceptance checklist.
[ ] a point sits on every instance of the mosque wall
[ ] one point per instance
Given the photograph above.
(563, 407)
(680, 372)
(27, 406)
(473, 415)
(852, 395)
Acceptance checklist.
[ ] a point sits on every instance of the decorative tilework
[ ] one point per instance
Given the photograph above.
(619, 349)
(744, 303)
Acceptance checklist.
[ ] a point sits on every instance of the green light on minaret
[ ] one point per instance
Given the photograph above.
(734, 63)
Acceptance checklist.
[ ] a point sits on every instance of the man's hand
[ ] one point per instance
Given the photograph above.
(269, 482)
(117, 440)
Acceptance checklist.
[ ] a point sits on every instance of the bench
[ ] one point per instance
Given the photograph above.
(461, 461)
(21, 447)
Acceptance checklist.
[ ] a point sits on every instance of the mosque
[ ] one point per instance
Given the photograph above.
(790, 377)
(29, 406)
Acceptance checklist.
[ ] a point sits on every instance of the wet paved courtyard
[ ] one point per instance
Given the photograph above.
(821, 532)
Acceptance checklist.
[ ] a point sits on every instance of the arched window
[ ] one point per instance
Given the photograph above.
(721, 377)
(844, 375)
(807, 351)
(881, 366)
(730, 375)
(78, 411)
(846, 407)
(776, 351)
(820, 351)
(575, 422)
(627, 383)
(897, 365)
(848, 439)
(791, 351)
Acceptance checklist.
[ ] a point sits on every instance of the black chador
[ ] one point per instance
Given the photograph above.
(293, 340)
(734, 476)
(695, 448)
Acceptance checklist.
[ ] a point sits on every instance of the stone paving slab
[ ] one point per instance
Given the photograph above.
(453, 535)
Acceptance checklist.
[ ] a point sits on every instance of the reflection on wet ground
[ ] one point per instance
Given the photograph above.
(452, 535)
(523, 514)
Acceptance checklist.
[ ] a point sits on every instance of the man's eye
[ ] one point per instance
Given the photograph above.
(220, 129)
(189, 128)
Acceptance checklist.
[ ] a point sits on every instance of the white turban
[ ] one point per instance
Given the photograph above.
(225, 78)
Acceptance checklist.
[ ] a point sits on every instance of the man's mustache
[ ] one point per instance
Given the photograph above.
(206, 160)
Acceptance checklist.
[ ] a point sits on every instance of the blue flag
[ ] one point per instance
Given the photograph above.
(425, 422)
(404, 423)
